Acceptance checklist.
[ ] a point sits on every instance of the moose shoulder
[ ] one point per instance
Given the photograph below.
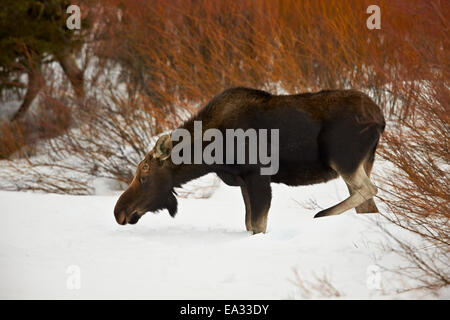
(320, 136)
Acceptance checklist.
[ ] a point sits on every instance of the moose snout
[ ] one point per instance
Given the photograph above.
(121, 216)
(121, 209)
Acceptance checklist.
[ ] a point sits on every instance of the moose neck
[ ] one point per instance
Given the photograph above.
(183, 173)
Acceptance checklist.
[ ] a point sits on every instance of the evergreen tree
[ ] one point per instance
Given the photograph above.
(33, 33)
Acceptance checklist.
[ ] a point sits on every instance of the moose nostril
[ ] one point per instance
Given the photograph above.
(134, 218)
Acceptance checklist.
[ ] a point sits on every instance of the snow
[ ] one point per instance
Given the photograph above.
(204, 253)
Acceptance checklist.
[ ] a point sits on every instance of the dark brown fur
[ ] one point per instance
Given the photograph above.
(322, 135)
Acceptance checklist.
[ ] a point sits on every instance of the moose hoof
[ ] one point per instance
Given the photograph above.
(259, 230)
(322, 213)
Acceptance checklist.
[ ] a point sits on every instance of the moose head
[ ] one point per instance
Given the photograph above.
(151, 188)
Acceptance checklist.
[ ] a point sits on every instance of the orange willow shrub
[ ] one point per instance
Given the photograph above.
(416, 143)
(416, 188)
(194, 49)
(19, 138)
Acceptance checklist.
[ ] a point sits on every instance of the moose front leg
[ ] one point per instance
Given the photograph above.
(234, 180)
(248, 209)
(259, 195)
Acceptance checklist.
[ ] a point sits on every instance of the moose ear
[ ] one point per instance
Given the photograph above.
(163, 147)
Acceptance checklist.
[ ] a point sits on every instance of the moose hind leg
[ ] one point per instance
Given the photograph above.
(367, 206)
(361, 190)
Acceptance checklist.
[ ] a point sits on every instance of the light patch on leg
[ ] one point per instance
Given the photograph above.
(260, 225)
(368, 206)
(248, 212)
(361, 190)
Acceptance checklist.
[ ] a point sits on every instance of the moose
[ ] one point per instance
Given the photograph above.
(322, 135)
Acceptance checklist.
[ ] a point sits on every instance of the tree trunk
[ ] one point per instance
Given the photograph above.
(35, 83)
(75, 75)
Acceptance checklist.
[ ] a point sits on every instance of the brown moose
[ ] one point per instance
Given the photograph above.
(322, 135)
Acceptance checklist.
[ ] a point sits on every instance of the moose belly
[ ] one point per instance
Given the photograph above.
(297, 174)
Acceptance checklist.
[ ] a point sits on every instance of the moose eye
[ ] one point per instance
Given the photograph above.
(145, 167)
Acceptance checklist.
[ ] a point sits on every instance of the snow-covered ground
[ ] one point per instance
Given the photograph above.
(56, 246)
